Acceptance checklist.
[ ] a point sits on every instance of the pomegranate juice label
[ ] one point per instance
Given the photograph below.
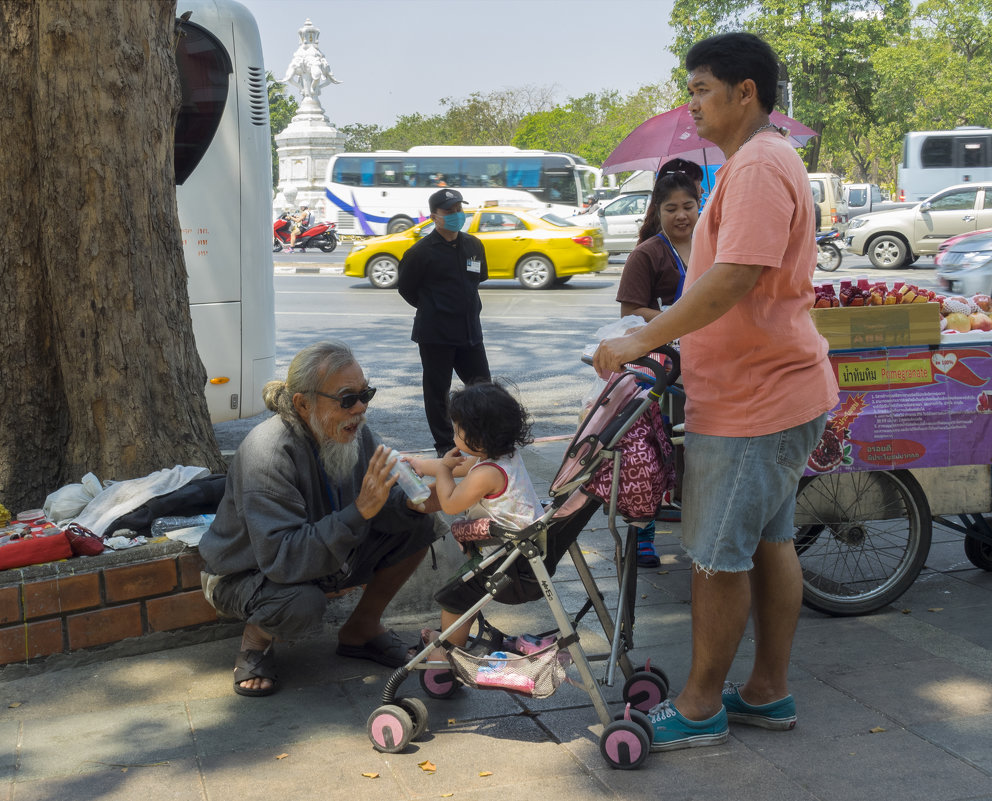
(908, 407)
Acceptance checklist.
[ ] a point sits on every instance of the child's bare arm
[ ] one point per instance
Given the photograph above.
(456, 498)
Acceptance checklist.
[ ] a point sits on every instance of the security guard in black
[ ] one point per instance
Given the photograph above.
(440, 277)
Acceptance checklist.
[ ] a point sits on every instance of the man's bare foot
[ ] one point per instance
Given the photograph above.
(262, 681)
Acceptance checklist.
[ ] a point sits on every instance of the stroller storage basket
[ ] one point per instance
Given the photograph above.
(536, 675)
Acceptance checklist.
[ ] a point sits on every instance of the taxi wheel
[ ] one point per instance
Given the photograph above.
(383, 272)
(535, 272)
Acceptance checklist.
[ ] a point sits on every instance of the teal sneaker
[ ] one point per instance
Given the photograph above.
(672, 731)
(778, 715)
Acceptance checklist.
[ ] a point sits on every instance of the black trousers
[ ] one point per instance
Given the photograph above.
(469, 363)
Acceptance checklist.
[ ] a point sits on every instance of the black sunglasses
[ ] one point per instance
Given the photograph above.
(351, 398)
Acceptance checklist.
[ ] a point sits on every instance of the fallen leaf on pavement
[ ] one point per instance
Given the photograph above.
(485, 773)
(371, 775)
(282, 756)
(936, 609)
(876, 730)
(427, 766)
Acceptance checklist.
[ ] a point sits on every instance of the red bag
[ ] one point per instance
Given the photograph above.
(35, 551)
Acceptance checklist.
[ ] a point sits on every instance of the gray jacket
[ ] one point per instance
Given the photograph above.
(278, 514)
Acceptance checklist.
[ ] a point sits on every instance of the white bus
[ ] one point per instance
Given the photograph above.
(932, 160)
(224, 193)
(386, 191)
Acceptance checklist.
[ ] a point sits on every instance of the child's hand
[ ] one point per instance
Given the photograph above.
(452, 459)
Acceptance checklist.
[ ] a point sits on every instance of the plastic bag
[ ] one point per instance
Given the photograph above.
(68, 501)
(615, 329)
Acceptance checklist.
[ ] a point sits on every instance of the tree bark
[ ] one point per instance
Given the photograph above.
(99, 368)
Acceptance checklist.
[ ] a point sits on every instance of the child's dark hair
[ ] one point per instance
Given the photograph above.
(491, 419)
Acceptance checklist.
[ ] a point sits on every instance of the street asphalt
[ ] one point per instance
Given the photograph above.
(892, 705)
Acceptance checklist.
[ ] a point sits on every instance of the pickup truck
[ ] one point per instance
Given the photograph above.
(867, 199)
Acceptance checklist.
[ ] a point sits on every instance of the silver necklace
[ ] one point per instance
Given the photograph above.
(767, 126)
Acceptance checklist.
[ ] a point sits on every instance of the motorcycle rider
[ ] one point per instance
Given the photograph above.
(300, 222)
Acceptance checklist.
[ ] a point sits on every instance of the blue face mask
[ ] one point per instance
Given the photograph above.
(454, 221)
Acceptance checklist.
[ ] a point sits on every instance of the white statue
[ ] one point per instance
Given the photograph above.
(309, 69)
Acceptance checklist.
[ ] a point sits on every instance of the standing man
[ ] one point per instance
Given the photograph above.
(758, 386)
(440, 277)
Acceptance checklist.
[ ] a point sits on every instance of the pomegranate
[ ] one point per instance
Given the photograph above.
(828, 454)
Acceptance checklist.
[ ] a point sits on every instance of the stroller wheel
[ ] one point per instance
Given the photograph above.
(624, 745)
(645, 689)
(438, 683)
(417, 710)
(640, 718)
(390, 729)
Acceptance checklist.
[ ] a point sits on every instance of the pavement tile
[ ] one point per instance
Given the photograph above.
(918, 691)
(9, 732)
(893, 764)
(836, 645)
(174, 780)
(968, 737)
(87, 742)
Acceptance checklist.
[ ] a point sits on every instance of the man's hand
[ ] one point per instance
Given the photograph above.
(376, 484)
(612, 354)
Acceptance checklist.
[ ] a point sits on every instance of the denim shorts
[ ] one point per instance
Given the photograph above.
(739, 490)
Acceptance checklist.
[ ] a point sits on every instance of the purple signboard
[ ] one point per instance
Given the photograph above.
(908, 407)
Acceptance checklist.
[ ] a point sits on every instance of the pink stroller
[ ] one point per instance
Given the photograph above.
(620, 460)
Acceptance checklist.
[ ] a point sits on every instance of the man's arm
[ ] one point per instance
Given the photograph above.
(718, 290)
(411, 270)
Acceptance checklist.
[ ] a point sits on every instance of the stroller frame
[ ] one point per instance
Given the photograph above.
(627, 736)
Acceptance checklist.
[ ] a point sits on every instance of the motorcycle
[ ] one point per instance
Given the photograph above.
(320, 235)
(828, 255)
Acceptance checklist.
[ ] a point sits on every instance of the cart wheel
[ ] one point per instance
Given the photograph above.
(417, 710)
(657, 672)
(979, 552)
(390, 729)
(624, 745)
(645, 689)
(862, 539)
(642, 720)
(438, 683)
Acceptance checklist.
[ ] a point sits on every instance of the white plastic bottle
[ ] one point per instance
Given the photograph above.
(414, 486)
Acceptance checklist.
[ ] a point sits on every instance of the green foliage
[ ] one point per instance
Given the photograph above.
(282, 107)
(360, 138)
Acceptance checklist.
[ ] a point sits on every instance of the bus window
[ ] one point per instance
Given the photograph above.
(204, 67)
(560, 187)
(937, 151)
(354, 171)
(482, 172)
(387, 173)
(974, 154)
(523, 173)
(438, 172)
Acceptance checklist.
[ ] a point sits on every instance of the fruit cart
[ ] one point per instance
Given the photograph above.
(909, 443)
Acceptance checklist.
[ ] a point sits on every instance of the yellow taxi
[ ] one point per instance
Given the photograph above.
(537, 248)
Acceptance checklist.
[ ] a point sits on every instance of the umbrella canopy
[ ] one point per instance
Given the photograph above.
(673, 133)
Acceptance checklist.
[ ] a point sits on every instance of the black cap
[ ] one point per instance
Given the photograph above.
(444, 199)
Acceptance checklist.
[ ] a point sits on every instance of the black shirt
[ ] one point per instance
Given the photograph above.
(435, 279)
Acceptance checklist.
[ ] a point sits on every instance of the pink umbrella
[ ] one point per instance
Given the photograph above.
(673, 133)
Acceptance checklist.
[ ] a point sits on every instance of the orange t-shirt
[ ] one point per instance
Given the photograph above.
(762, 367)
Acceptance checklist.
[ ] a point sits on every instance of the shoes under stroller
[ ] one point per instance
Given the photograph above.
(519, 569)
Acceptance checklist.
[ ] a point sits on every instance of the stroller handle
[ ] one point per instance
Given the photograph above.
(662, 379)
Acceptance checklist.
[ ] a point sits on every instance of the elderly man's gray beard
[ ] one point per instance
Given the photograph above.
(339, 458)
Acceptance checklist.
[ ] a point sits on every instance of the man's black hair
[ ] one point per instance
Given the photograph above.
(735, 57)
(491, 419)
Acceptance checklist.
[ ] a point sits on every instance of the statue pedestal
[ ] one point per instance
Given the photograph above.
(304, 148)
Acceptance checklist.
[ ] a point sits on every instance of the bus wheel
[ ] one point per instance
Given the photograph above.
(535, 272)
(398, 224)
(383, 271)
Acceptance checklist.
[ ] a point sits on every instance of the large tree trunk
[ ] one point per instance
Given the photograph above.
(98, 367)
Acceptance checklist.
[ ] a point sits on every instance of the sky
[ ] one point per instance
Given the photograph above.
(398, 57)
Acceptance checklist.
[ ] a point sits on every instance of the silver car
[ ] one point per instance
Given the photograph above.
(965, 267)
(620, 219)
(898, 238)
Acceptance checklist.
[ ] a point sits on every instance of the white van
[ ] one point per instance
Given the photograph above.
(828, 193)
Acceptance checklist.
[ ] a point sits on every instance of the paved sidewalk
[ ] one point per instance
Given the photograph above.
(895, 705)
